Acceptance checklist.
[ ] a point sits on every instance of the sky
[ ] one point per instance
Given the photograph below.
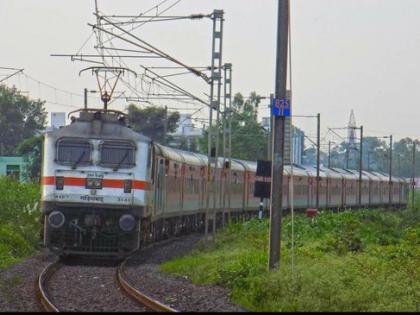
(356, 54)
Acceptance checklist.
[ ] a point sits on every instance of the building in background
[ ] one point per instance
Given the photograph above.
(58, 120)
(186, 135)
(298, 145)
(13, 166)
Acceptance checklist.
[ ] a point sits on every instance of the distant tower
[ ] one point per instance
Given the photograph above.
(351, 136)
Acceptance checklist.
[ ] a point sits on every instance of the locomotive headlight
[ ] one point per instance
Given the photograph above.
(94, 183)
(56, 219)
(127, 222)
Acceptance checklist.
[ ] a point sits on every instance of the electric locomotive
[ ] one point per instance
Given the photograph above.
(95, 179)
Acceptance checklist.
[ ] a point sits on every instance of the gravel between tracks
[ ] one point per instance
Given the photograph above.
(90, 288)
(18, 283)
(143, 273)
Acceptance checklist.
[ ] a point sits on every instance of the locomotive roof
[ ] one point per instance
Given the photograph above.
(105, 125)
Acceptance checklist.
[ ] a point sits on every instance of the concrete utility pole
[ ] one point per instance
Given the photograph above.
(414, 173)
(278, 137)
(390, 170)
(360, 166)
(318, 151)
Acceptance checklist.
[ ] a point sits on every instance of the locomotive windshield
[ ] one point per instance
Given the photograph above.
(73, 152)
(117, 154)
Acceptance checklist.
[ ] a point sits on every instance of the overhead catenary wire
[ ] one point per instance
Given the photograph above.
(158, 14)
(148, 49)
(145, 45)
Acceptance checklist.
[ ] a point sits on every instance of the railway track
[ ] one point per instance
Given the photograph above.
(42, 293)
(138, 296)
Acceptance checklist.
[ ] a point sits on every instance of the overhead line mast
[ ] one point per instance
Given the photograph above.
(215, 87)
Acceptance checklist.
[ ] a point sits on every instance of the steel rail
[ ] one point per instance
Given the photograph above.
(140, 296)
(42, 292)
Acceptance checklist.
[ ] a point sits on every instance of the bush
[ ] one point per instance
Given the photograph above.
(20, 220)
(366, 260)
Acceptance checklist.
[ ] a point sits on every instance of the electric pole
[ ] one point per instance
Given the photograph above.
(390, 170)
(86, 97)
(329, 153)
(414, 173)
(278, 137)
(347, 155)
(318, 151)
(270, 134)
(215, 91)
(360, 166)
(165, 125)
(227, 104)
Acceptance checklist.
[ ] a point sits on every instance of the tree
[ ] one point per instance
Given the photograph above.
(403, 158)
(31, 150)
(20, 119)
(249, 139)
(151, 120)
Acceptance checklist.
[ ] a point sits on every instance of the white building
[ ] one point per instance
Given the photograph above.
(186, 127)
(58, 119)
(186, 133)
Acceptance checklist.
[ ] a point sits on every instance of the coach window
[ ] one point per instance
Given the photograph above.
(73, 152)
(117, 154)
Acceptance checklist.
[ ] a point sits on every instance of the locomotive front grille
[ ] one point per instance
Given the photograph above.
(94, 232)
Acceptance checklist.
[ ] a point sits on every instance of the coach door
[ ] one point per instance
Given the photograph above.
(160, 186)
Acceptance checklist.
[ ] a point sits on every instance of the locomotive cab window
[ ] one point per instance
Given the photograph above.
(117, 154)
(73, 152)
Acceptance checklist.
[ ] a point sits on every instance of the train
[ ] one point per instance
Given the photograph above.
(108, 190)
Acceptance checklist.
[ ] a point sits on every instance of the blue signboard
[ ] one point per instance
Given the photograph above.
(281, 107)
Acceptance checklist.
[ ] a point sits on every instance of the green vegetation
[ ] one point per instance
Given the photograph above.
(151, 121)
(20, 119)
(19, 220)
(249, 139)
(366, 260)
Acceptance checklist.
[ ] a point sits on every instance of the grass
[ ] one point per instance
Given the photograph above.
(19, 220)
(366, 260)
